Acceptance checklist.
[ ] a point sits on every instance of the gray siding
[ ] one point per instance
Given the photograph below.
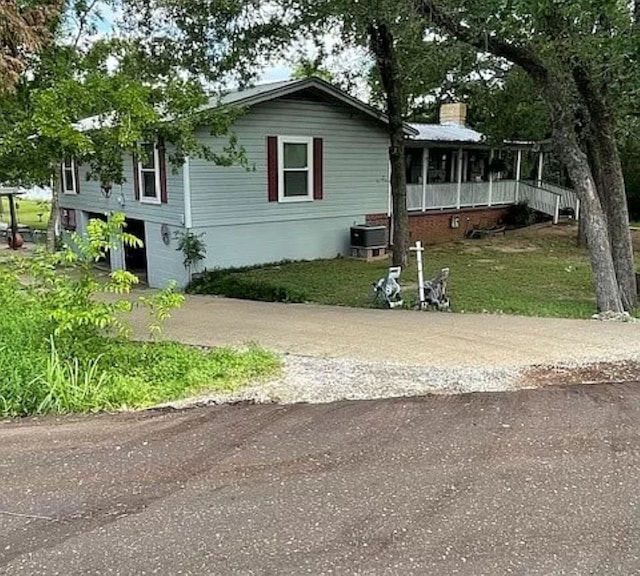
(355, 167)
(230, 204)
(264, 242)
(164, 262)
(90, 198)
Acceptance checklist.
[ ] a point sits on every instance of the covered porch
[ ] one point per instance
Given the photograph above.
(453, 176)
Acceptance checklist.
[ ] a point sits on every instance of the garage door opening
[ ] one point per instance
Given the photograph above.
(135, 259)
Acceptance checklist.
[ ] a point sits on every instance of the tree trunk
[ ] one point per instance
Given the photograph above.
(555, 86)
(52, 226)
(594, 223)
(593, 217)
(606, 166)
(382, 46)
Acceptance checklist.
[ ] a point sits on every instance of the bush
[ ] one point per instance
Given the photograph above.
(520, 215)
(233, 284)
(64, 350)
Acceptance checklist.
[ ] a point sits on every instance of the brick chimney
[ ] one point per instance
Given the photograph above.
(455, 113)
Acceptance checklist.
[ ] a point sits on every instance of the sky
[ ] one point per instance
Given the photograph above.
(274, 70)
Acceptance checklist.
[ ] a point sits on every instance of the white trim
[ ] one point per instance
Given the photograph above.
(490, 198)
(459, 188)
(282, 140)
(389, 199)
(518, 174)
(186, 187)
(74, 183)
(540, 166)
(156, 170)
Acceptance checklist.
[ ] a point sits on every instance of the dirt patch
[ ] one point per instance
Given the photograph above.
(515, 248)
(596, 373)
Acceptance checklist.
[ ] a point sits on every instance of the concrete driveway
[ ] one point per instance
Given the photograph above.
(434, 339)
(534, 482)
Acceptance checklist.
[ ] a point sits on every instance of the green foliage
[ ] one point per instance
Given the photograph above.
(68, 296)
(193, 249)
(235, 283)
(63, 338)
(520, 215)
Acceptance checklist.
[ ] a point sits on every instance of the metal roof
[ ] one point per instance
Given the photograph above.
(448, 132)
(264, 93)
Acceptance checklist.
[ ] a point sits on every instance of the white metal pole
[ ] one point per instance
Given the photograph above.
(418, 249)
(556, 212)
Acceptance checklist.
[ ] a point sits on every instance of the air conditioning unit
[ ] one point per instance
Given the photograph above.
(368, 236)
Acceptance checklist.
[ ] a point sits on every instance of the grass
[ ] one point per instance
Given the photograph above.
(32, 213)
(41, 375)
(535, 272)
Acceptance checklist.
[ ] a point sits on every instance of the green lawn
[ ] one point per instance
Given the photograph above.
(34, 214)
(535, 272)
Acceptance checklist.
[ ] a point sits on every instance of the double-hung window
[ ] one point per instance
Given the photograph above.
(149, 174)
(295, 169)
(69, 180)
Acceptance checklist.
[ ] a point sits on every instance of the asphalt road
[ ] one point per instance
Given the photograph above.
(531, 482)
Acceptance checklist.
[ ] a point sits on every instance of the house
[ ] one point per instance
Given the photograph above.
(320, 164)
(457, 181)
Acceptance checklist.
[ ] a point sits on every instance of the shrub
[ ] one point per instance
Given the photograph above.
(62, 349)
(520, 215)
(233, 284)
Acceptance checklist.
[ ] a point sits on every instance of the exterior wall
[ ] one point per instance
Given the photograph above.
(164, 261)
(264, 242)
(355, 167)
(230, 204)
(122, 198)
(435, 227)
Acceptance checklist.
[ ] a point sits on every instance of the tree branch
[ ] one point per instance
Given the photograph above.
(522, 56)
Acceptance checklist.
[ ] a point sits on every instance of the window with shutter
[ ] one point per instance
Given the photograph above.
(294, 169)
(150, 173)
(69, 176)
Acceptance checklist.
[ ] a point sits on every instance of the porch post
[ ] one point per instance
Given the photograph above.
(459, 178)
(490, 199)
(540, 165)
(518, 170)
(425, 170)
(389, 204)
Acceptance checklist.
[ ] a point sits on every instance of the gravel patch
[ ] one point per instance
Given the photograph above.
(321, 380)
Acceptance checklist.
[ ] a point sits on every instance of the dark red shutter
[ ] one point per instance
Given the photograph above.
(272, 168)
(318, 169)
(77, 177)
(162, 158)
(136, 178)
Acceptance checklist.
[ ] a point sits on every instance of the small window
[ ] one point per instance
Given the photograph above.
(295, 173)
(69, 183)
(149, 171)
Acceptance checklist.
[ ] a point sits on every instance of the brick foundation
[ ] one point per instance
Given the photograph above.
(435, 227)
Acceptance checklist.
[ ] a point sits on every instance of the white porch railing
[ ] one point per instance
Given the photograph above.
(472, 194)
(546, 198)
(541, 200)
(568, 198)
